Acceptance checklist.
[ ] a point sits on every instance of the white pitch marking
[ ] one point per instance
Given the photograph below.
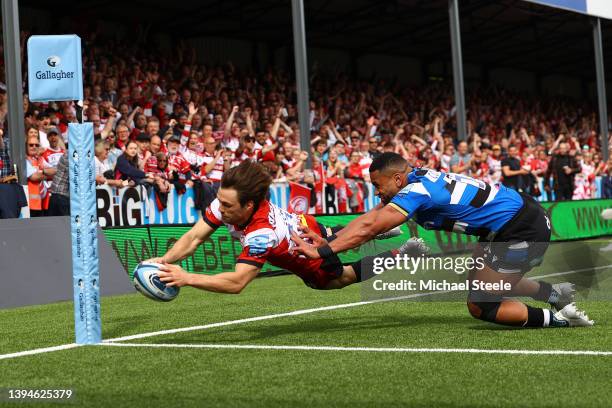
(39, 351)
(367, 349)
(257, 318)
(569, 272)
(267, 317)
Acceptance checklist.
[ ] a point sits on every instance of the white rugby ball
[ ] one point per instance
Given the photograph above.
(147, 282)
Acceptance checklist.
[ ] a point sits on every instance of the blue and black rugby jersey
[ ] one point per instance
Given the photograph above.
(454, 202)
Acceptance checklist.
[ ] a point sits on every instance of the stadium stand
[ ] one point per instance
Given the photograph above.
(221, 115)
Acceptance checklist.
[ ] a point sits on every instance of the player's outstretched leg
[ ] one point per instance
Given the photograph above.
(362, 269)
(414, 247)
(493, 307)
(558, 295)
(509, 312)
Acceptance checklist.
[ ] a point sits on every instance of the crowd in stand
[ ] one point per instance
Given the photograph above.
(165, 120)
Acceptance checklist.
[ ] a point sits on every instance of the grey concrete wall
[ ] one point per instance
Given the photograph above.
(36, 263)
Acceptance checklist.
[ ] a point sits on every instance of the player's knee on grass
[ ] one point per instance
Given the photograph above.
(483, 305)
(493, 308)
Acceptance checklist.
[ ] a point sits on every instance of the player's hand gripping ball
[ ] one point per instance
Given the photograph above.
(147, 282)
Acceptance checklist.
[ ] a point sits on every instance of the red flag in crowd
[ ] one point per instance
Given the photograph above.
(342, 194)
(319, 172)
(299, 199)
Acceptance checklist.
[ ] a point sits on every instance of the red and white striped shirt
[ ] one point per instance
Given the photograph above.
(52, 156)
(216, 173)
(182, 166)
(151, 165)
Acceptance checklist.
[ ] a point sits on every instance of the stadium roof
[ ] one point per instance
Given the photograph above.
(506, 33)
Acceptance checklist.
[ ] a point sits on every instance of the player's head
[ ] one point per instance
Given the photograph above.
(242, 189)
(388, 175)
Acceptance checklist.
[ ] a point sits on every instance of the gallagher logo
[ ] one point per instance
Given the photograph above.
(53, 61)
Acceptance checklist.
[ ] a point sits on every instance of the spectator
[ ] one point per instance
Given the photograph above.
(460, 162)
(494, 162)
(34, 132)
(179, 169)
(320, 149)
(446, 157)
(54, 152)
(606, 180)
(512, 170)
(246, 151)
(216, 161)
(161, 172)
(170, 99)
(599, 164)
(152, 128)
(42, 123)
(373, 151)
(231, 137)
(12, 197)
(35, 172)
(479, 169)
(288, 160)
(59, 203)
(191, 149)
(155, 146)
(355, 183)
(562, 168)
(114, 150)
(341, 150)
(140, 123)
(529, 185)
(50, 157)
(143, 142)
(6, 165)
(128, 166)
(334, 174)
(539, 168)
(587, 177)
(123, 136)
(104, 172)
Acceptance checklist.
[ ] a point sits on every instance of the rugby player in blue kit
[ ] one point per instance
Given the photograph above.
(514, 232)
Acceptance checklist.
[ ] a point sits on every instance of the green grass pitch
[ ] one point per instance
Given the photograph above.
(104, 376)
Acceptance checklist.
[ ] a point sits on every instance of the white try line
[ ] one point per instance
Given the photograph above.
(268, 317)
(366, 349)
(260, 318)
(39, 351)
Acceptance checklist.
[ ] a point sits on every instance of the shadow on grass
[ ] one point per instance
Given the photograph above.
(313, 328)
(498, 327)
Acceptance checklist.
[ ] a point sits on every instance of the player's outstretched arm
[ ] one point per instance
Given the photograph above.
(366, 227)
(226, 282)
(378, 207)
(357, 232)
(187, 244)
